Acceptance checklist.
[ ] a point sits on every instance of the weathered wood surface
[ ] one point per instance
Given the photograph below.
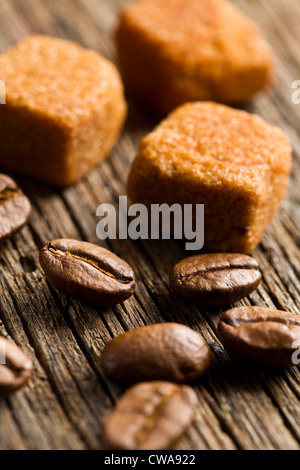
(64, 405)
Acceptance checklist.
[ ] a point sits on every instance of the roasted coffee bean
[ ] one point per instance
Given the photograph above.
(15, 367)
(214, 280)
(150, 416)
(262, 335)
(15, 208)
(87, 272)
(167, 351)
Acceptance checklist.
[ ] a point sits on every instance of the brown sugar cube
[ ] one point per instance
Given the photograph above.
(232, 161)
(174, 51)
(64, 109)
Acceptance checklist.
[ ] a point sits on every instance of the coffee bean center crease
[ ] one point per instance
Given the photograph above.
(7, 194)
(149, 424)
(240, 322)
(90, 262)
(203, 271)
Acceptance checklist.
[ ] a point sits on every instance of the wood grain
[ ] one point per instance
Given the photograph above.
(65, 404)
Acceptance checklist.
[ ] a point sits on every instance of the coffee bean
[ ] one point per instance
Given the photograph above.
(15, 208)
(262, 335)
(167, 351)
(150, 416)
(214, 280)
(15, 367)
(87, 272)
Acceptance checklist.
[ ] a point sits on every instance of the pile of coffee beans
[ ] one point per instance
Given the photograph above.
(180, 355)
(159, 362)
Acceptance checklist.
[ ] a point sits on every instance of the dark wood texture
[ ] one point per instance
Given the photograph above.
(64, 405)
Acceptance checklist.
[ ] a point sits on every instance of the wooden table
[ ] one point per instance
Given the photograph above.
(66, 402)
